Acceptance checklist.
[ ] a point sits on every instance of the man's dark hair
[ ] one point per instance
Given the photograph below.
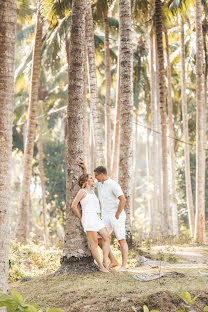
(101, 169)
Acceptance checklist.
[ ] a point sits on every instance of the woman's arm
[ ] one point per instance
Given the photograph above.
(80, 195)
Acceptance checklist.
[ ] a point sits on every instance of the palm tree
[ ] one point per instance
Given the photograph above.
(186, 134)
(171, 134)
(76, 252)
(200, 234)
(94, 101)
(43, 181)
(28, 152)
(8, 19)
(126, 92)
(181, 7)
(108, 91)
(162, 100)
(116, 135)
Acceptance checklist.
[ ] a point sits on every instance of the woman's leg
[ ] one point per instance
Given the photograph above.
(105, 245)
(92, 236)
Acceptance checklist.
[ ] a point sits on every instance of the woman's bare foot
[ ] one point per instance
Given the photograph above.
(112, 265)
(104, 270)
(105, 264)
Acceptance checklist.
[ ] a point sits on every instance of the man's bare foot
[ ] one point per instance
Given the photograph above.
(104, 270)
(121, 269)
(112, 265)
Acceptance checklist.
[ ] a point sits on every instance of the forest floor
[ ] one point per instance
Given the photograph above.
(177, 269)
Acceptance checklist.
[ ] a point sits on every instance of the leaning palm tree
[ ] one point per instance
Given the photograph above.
(29, 145)
(126, 93)
(8, 18)
(200, 234)
(76, 252)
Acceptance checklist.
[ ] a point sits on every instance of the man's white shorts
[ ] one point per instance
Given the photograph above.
(116, 225)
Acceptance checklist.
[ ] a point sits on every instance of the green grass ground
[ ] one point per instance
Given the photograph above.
(108, 292)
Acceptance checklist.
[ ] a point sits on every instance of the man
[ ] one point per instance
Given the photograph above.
(112, 202)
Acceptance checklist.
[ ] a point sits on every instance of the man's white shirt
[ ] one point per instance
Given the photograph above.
(108, 193)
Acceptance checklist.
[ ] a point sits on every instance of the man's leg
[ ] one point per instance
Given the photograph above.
(120, 231)
(124, 253)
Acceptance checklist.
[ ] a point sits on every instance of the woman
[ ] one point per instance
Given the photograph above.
(91, 222)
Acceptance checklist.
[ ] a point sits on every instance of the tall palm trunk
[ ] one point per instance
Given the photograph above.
(158, 156)
(29, 145)
(154, 145)
(114, 165)
(171, 134)
(86, 143)
(126, 145)
(8, 18)
(162, 100)
(43, 181)
(94, 101)
(76, 253)
(200, 234)
(108, 93)
(134, 184)
(189, 196)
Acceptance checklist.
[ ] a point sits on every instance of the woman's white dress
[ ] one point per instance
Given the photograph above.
(90, 209)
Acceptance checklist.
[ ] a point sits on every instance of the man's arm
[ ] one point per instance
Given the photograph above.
(83, 166)
(122, 201)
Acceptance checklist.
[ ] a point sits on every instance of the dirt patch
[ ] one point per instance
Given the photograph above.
(166, 301)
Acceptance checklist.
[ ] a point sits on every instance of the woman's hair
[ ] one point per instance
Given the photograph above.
(83, 179)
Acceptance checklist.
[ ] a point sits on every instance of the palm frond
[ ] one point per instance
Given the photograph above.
(26, 33)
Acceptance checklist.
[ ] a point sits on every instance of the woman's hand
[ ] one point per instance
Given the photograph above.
(83, 166)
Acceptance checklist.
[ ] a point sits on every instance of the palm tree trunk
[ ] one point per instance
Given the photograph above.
(76, 253)
(94, 101)
(42, 179)
(158, 142)
(162, 99)
(114, 165)
(134, 168)
(86, 143)
(29, 145)
(200, 234)
(154, 145)
(8, 19)
(126, 145)
(108, 93)
(171, 142)
(189, 196)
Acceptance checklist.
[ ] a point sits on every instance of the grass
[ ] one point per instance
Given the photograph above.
(105, 292)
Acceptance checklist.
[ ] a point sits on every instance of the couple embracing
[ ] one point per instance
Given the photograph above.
(112, 201)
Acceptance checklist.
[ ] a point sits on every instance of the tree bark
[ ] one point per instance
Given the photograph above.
(86, 143)
(154, 141)
(174, 213)
(108, 93)
(189, 196)
(162, 100)
(76, 253)
(8, 19)
(114, 165)
(126, 129)
(200, 233)
(43, 181)
(29, 145)
(94, 101)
